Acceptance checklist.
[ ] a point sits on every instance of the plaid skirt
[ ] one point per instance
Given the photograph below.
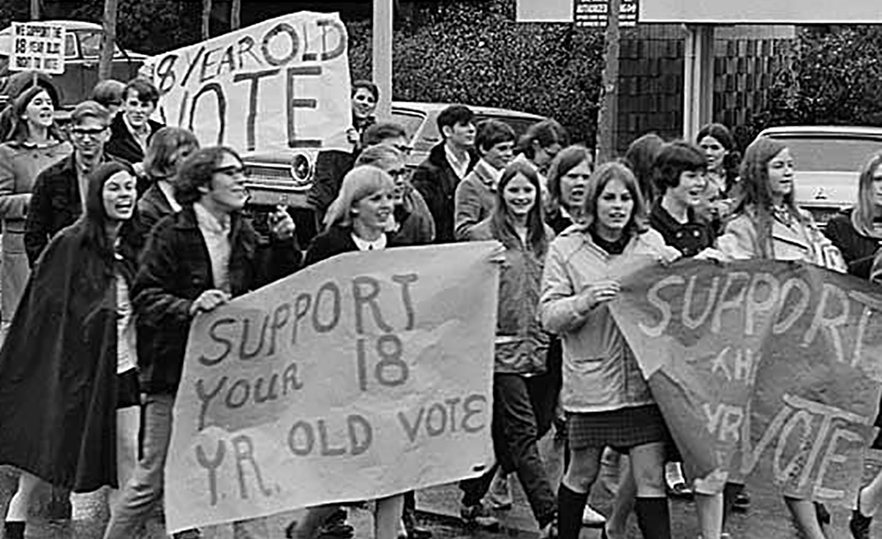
(620, 429)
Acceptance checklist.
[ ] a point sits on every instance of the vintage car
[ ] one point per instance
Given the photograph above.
(828, 160)
(285, 177)
(82, 48)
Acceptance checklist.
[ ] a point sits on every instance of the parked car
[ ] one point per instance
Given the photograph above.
(285, 177)
(828, 160)
(82, 48)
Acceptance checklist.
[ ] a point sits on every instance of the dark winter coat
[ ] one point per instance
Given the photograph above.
(58, 371)
(858, 250)
(175, 269)
(56, 202)
(435, 179)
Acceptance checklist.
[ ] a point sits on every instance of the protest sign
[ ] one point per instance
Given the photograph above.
(282, 83)
(37, 45)
(761, 367)
(366, 375)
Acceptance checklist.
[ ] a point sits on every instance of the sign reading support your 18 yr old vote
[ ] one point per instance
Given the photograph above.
(761, 367)
(365, 375)
(37, 45)
(282, 83)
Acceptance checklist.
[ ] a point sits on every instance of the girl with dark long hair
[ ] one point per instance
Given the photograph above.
(71, 342)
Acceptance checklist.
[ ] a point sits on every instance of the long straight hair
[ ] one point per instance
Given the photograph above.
(502, 221)
(757, 193)
(604, 174)
(865, 209)
(93, 224)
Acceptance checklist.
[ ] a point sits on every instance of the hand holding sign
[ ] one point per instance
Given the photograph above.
(597, 293)
(281, 224)
(209, 301)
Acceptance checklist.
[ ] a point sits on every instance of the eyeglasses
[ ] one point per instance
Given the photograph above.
(399, 174)
(232, 170)
(84, 132)
(403, 148)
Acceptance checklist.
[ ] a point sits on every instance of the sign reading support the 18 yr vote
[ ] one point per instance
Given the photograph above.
(761, 367)
(282, 83)
(37, 45)
(363, 376)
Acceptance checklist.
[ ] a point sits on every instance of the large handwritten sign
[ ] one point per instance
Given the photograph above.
(761, 367)
(282, 83)
(363, 376)
(37, 45)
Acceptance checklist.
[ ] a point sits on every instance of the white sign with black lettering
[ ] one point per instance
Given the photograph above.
(37, 45)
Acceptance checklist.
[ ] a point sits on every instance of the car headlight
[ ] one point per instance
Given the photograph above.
(301, 169)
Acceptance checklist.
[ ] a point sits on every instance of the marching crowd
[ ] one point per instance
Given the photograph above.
(117, 231)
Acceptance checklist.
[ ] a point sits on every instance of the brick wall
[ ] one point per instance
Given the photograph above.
(651, 77)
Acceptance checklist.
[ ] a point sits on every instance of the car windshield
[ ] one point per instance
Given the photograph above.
(408, 120)
(815, 154)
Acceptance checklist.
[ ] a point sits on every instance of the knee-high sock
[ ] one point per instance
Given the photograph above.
(14, 529)
(570, 505)
(653, 517)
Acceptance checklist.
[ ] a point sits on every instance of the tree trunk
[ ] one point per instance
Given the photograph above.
(107, 46)
(35, 10)
(206, 19)
(235, 15)
(607, 123)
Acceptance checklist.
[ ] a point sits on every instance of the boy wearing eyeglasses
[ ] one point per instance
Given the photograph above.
(60, 190)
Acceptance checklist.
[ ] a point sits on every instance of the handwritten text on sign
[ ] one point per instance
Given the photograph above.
(363, 376)
(37, 46)
(761, 367)
(282, 83)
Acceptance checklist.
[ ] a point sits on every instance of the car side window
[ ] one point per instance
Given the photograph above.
(70, 45)
(90, 43)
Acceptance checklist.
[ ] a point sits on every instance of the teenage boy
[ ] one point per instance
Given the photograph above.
(449, 162)
(132, 128)
(60, 191)
(194, 261)
(476, 194)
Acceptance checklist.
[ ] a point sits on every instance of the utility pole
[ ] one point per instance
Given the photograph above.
(206, 19)
(235, 15)
(382, 56)
(607, 123)
(107, 46)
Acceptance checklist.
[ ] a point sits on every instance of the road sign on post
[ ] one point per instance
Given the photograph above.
(37, 45)
(595, 13)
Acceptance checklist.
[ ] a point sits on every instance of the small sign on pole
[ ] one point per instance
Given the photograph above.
(595, 13)
(37, 45)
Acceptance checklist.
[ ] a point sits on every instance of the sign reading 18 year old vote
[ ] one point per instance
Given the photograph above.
(366, 375)
(761, 368)
(37, 45)
(282, 83)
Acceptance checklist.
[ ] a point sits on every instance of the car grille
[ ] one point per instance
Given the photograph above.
(271, 174)
(822, 214)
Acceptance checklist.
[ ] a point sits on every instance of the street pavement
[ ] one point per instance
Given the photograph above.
(438, 509)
